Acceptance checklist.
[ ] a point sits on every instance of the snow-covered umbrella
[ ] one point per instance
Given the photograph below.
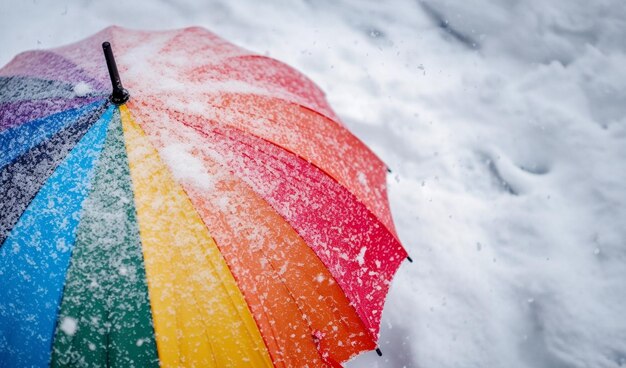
(216, 213)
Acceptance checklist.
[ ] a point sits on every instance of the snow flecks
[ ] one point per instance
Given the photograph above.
(62, 246)
(360, 258)
(185, 166)
(362, 178)
(283, 268)
(69, 325)
(82, 89)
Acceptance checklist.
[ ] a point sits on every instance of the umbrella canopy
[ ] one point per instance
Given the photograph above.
(220, 216)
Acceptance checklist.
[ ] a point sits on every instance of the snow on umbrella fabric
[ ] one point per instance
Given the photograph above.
(222, 216)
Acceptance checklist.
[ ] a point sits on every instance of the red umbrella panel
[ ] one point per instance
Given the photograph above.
(221, 215)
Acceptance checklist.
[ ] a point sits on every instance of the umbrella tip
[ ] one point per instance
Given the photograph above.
(409, 258)
(380, 353)
(119, 95)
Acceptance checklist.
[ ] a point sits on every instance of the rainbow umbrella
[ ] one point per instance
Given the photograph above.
(216, 215)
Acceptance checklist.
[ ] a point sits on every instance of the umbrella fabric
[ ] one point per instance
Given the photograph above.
(223, 216)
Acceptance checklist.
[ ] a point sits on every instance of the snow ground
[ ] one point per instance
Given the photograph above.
(505, 126)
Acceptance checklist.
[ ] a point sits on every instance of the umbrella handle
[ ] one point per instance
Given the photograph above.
(119, 94)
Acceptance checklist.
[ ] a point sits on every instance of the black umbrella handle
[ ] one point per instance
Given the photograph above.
(119, 95)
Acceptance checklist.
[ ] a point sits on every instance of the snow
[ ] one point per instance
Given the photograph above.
(360, 257)
(82, 89)
(186, 166)
(69, 325)
(504, 125)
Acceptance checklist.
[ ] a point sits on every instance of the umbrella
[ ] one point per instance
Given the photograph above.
(214, 213)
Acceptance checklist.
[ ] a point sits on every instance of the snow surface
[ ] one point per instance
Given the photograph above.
(504, 124)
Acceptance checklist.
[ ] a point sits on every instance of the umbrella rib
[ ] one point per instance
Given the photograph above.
(205, 330)
(222, 282)
(108, 338)
(225, 290)
(272, 331)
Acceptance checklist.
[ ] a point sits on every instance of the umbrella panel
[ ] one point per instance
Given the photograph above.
(105, 294)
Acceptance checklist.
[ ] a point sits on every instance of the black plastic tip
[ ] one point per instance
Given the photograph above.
(389, 170)
(119, 94)
(380, 353)
(410, 259)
